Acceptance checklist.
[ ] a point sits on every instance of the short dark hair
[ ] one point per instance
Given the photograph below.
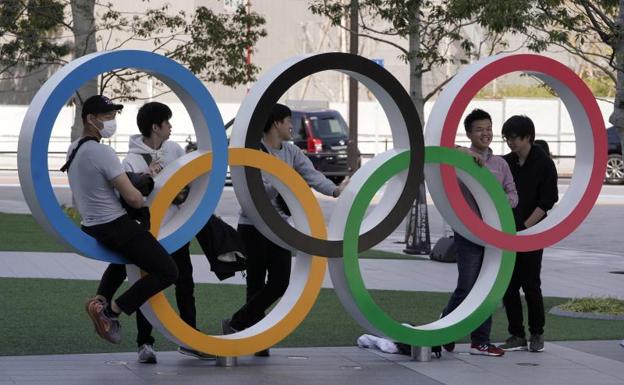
(476, 114)
(519, 126)
(541, 143)
(152, 113)
(278, 113)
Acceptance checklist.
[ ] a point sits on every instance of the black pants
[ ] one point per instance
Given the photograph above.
(526, 275)
(263, 257)
(185, 299)
(138, 246)
(184, 292)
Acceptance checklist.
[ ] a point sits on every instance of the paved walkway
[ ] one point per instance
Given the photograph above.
(570, 363)
(565, 273)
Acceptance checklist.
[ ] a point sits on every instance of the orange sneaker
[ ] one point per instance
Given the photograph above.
(106, 327)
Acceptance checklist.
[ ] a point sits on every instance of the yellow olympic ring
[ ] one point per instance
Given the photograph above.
(250, 340)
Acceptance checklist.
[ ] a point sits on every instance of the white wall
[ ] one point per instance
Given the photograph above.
(550, 116)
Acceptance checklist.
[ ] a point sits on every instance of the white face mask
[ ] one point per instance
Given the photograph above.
(109, 127)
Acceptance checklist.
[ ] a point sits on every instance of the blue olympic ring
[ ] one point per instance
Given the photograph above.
(60, 87)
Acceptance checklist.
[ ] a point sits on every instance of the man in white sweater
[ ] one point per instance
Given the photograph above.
(150, 152)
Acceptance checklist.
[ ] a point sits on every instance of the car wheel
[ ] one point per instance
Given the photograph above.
(615, 169)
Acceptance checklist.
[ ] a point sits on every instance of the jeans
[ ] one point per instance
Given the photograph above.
(138, 246)
(526, 275)
(265, 260)
(469, 260)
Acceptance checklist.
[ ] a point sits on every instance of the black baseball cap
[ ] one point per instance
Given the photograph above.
(99, 104)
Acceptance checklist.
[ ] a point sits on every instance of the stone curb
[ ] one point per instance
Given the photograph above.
(572, 314)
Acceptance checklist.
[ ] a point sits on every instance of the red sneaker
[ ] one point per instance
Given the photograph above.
(486, 350)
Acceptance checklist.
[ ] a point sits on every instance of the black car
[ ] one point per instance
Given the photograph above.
(615, 165)
(323, 135)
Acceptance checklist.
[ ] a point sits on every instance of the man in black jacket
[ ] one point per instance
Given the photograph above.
(535, 176)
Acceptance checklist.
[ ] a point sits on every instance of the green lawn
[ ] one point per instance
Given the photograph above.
(45, 316)
(20, 232)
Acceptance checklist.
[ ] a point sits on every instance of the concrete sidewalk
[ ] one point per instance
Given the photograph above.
(570, 363)
(565, 273)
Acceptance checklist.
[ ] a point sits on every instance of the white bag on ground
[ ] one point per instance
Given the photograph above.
(374, 342)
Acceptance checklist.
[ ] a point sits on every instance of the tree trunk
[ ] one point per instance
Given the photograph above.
(617, 117)
(353, 154)
(417, 237)
(415, 76)
(84, 43)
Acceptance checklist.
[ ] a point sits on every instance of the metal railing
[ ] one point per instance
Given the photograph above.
(381, 144)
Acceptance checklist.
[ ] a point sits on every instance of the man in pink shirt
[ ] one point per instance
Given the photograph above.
(478, 125)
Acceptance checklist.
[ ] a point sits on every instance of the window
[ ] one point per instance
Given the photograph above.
(328, 127)
(298, 130)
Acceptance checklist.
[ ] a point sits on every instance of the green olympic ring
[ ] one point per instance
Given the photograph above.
(455, 325)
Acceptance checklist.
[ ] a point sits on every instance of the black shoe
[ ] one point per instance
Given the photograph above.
(437, 350)
(263, 353)
(449, 347)
(514, 343)
(195, 353)
(147, 355)
(536, 343)
(226, 327)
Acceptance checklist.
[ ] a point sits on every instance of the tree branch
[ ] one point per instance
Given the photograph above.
(403, 50)
(605, 19)
(606, 38)
(437, 88)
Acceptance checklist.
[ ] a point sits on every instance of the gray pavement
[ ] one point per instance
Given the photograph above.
(560, 363)
(562, 271)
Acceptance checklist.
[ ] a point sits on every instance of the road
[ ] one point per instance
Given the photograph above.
(600, 232)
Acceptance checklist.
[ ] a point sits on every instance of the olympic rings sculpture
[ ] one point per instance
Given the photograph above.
(350, 230)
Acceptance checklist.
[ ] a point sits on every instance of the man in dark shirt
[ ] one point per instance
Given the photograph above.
(535, 176)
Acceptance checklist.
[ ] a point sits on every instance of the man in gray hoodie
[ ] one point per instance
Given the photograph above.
(268, 265)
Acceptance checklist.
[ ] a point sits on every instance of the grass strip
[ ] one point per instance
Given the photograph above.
(20, 232)
(601, 305)
(46, 316)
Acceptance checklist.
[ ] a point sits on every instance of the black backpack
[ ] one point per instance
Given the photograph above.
(444, 250)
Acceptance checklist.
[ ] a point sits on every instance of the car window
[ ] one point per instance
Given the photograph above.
(328, 127)
(613, 134)
(298, 130)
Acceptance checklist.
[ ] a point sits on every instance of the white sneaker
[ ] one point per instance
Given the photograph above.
(622, 343)
(147, 354)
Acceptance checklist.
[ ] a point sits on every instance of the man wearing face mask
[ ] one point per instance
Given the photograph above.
(97, 179)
